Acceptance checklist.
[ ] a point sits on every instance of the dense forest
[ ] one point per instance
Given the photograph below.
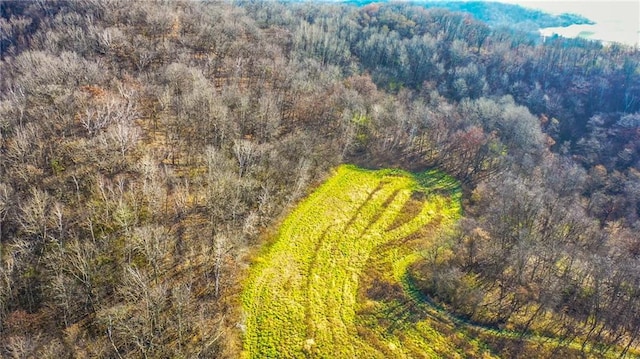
(148, 149)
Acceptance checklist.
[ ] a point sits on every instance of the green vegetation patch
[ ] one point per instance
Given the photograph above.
(303, 297)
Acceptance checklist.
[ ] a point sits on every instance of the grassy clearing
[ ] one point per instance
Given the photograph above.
(304, 297)
(336, 282)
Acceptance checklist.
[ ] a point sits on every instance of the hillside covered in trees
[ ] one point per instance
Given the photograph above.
(150, 150)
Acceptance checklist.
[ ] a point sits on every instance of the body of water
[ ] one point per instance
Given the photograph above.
(615, 21)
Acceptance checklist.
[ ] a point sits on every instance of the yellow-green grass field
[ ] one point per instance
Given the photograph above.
(304, 296)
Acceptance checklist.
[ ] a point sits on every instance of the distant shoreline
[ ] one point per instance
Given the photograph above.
(597, 32)
(614, 21)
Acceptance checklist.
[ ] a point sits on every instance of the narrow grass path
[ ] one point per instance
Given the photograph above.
(301, 299)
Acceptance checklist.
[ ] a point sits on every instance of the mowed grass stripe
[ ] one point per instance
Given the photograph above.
(301, 298)
(274, 299)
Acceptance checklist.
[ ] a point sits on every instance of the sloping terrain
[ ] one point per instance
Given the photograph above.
(147, 149)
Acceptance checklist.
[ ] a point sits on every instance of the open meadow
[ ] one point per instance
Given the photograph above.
(335, 284)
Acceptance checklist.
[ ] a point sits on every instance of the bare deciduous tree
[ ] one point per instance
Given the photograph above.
(221, 247)
(106, 113)
(245, 153)
(34, 213)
